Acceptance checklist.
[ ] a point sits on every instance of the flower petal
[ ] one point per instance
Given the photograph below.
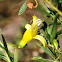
(28, 27)
(26, 38)
(34, 20)
(40, 38)
(34, 30)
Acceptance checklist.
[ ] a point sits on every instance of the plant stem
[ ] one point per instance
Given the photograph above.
(54, 29)
(58, 11)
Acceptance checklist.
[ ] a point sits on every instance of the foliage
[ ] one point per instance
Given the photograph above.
(9, 57)
(51, 33)
(23, 8)
(50, 42)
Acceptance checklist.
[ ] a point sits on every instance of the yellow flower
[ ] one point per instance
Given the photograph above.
(31, 33)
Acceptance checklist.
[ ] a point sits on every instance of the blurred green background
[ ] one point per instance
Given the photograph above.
(12, 27)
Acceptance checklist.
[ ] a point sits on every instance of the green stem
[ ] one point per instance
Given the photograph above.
(16, 55)
(54, 29)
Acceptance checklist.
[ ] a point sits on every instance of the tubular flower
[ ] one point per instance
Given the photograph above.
(31, 33)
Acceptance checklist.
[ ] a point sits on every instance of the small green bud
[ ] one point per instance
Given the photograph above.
(55, 43)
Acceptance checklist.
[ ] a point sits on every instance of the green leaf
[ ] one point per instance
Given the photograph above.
(47, 35)
(3, 56)
(11, 55)
(49, 30)
(60, 2)
(1, 45)
(23, 8)
(4, 43)
(5, 47)
(40, 58)
(46, 50)
(45, 29)
(54, 29)
(55, 43)
(36, 58)
(59, 32)
(55, 2)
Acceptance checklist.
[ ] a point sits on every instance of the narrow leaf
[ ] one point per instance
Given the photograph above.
(1, 46)
(5, 46)
(23, 8)
(4, 43)
(40, 58)
(36, 58)
(59, 32)
(49, 30)
(46, 50)
(54, 29)
(3, 39)
(47, 35)
(11, 55)
(3, 56)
